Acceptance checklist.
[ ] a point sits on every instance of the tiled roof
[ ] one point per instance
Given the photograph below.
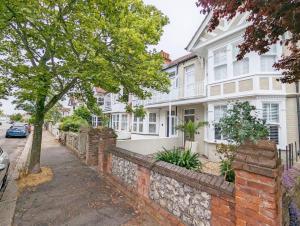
(180, 60)
(100, 90)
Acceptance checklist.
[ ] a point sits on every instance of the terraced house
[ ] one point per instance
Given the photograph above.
(204, 82)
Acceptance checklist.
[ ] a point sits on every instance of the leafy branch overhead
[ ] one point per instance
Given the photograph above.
(270, 22)
(49, 49)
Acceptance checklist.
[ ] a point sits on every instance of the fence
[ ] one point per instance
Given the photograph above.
(290, 155)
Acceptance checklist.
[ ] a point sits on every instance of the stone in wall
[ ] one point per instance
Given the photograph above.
(126, 171)
(190, 205)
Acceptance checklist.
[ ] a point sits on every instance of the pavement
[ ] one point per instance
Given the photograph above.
(77, 195)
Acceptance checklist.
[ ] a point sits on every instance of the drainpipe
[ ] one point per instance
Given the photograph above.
(298, 110)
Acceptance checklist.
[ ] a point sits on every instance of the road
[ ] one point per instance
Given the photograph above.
(13, 146)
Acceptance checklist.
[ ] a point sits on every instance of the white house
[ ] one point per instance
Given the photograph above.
(204, 82)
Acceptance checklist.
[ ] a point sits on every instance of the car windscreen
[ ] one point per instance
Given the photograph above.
(18, 127)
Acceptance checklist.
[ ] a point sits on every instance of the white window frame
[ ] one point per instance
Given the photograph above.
(152, 123)
(269, 54)
(220, 64)
(137, 124)
(241, 62)
(115, 124)
(269, 122)
(189, 86)
(100, 100)
(124, 123)
(223, 108)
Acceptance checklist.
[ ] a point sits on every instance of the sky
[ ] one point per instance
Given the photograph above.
(184, 19)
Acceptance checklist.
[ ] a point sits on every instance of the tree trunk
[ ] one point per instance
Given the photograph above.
(35, 154)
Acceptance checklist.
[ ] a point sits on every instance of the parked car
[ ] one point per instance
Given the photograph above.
(28, 126)
(4, 165)
(17, 131)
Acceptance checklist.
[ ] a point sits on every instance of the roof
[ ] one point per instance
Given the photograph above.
(100, 90)
(64, 109)
(201, 27)
(180, 60)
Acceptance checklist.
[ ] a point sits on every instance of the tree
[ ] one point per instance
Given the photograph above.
(190, 128)
(52, 48)
(16, 117)
(242, 123)
(270, 21)
(83, 112)
(54, 114)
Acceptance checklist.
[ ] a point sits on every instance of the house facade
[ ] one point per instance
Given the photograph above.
(203, 84)
(251, 79)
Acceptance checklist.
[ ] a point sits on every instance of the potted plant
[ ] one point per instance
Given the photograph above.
(189, 129)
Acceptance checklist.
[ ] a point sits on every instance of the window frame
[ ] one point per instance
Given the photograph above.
(271, 123)
(270, 53)
(124, 122)
(222, 64)
(224, 108)
(152, 123)
(234, 45)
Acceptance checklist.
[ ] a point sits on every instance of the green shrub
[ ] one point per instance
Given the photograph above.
(72, 123)
(226, 170)
(83, 112)
(179, 157)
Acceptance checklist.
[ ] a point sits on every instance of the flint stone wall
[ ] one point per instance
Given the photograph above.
(126, 171)
(192, 206)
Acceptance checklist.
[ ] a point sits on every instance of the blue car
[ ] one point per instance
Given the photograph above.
(17, 131)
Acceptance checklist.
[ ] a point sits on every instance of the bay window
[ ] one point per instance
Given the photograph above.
(115, 122)
(240, 67)
(220, 63)
(268, 59)
(271, 117)
(219, 112)
(137, 125)
(124, 122)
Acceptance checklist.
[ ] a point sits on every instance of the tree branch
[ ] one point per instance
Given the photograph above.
(23, 37)
(58, 96)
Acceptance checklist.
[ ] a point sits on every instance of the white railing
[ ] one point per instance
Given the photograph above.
(186, 92)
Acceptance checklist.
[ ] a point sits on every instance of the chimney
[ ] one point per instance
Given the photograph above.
(166, 57)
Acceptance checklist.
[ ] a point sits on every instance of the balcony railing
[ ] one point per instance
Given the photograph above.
(179, 93)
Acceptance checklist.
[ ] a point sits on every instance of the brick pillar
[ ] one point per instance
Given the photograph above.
(107, 140)
(98, 137)
(143, 181)
(258, 191)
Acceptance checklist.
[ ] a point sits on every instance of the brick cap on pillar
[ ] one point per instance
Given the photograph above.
(104, 131)
(260, 158)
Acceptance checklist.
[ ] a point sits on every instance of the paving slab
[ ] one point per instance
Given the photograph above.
(77, 195)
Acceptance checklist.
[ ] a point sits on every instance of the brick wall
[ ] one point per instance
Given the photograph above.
(177, 196)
